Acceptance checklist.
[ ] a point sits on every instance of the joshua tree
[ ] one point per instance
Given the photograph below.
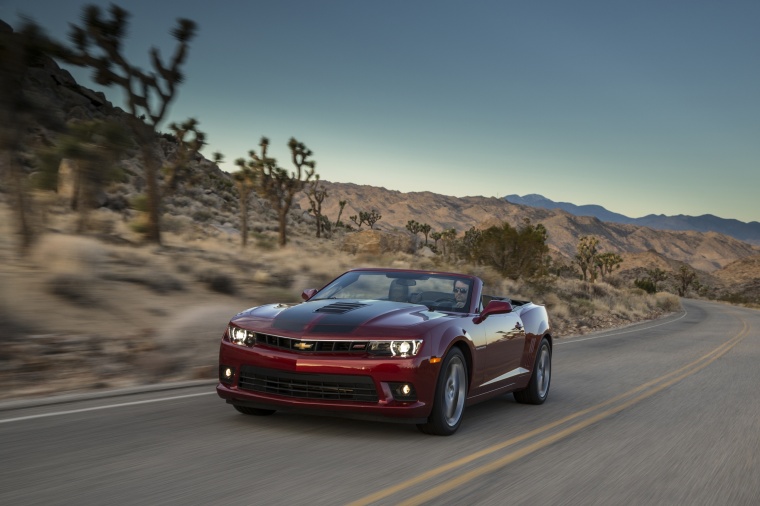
(686, 276)
(245, 183)
(656, 275)
(341, 204)
(586, 257)
(448, 237)
(277, 185)
(18, 51)
(470, 242)
(608, 262)
(436, 236)
(359, 220)
(98, 45)
(425, 229)
(413, 227)
(187, 149)
(370, 218)
(92, 149)
(317, 194)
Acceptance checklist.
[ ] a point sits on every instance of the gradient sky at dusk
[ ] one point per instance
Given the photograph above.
(642, 107)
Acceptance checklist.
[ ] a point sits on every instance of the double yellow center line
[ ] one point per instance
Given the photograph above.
(603, 410)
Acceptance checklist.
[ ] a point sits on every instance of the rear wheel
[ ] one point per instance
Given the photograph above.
(254, 411)
(538, 388)
(450, 396)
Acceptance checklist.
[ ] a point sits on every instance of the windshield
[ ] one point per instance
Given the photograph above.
(437, 291)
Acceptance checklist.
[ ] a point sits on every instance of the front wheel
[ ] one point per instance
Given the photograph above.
(450, 396)
(538, 388)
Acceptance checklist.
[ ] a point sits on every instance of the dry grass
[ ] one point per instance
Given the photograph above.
(127, 314)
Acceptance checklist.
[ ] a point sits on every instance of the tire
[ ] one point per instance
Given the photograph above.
(254, 411)
(450, 396)
(538, 388)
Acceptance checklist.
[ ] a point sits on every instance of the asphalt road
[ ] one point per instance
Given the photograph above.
(666, 412)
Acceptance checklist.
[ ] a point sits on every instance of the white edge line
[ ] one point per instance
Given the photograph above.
(638, 329)
(97, 408)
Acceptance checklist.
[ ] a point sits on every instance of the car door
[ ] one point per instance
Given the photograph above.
(505, 340)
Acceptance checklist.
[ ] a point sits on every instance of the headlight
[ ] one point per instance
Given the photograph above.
(408, 348)
(240, 336)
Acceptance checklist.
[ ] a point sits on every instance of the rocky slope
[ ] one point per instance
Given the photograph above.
(704, 251)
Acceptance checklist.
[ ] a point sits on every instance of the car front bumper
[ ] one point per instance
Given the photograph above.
(356, 386)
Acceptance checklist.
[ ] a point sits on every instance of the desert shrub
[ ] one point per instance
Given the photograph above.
(542, 285)
(614, 281)
(181, 201)
(645, 284)
(219, 282)
(582, 307)
(283, 295)
(159, 282)
(492, 280)
(668, 302)
(11, 328)
(202, 215)
(601, 290)
(580, 290)
(73, 255)
(283, 279)
(75, 288)
(183, 267)
(175, 224)
(223, 283)
(560, 311)
(140, 224)
(163, 283)
(139, 203)
(264, 241)
(552, 300)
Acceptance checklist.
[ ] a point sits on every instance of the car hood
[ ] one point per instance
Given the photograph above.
(350, 317)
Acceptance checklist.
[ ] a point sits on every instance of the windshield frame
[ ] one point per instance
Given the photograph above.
(433, 289)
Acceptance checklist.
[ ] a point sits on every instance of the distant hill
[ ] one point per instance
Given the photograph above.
(704, 251)
(747, 232)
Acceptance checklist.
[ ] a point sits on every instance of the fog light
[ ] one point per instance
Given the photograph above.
(403, 392)
(226, 374)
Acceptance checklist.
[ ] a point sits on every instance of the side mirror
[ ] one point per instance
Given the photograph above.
(309, 293)
(493, 307)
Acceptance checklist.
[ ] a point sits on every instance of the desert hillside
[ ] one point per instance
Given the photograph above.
(706, 252)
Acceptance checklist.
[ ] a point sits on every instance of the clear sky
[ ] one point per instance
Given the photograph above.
(643, 107)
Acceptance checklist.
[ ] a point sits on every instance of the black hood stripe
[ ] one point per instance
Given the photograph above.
(308, 317)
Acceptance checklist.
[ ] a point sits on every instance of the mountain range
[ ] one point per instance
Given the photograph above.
(706, 251)
(747, 232)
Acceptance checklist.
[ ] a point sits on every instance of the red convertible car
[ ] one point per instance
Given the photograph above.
(405, 345)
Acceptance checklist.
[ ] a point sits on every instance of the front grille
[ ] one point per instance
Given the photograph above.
(308, 386)
(311, 346)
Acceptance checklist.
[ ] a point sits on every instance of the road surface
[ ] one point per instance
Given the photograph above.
(665, 412)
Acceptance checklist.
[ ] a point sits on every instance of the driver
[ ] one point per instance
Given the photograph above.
(461, 289)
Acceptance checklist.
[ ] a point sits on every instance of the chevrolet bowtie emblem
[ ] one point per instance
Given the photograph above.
(303, 346)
